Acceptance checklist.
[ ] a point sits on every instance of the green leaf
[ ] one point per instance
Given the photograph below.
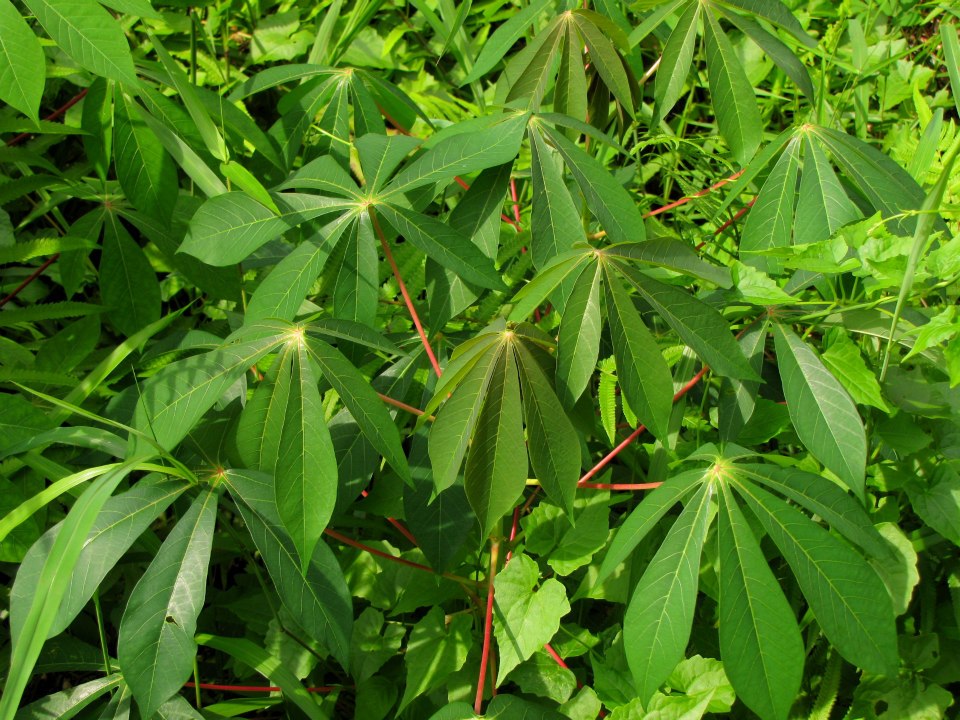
(525, 618)
(355, 286)
(606, 197)
(319, 600)
(89, 35)
(503, 38)
(847, 598)
(435, 650)
(777, 13)
(156, 646)
(675, 62)
(461, 154)
(443, 244)
(528, 73)
(733, 100)
(936, 499)
(362, 402)
(71, 702)
(770, 221)
(496, 469)
(698, 325)
(380, 155)
(898, 568)
(22, 62)
(760, 643)
(283, 291)
(844, 360)
(451, 431)
(641, 370)
(270, 667)
(604, 56)
(822, 412)
(570, 92)
(23, 251)
(822, 207)
(128, 284)
(324, 174)
(177, 397)
(673, 255)
(738, 399)
(554, 222)
(46, 311)
(578, 345)
(373, 644)
(656, 626)
(552, 440)
(951, 56)
(227, 228)
(556, 271)
(145, 171)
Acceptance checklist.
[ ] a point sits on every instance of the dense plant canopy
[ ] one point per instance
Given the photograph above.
(517, 359)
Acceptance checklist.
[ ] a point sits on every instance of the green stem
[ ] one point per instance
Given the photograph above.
(101, 630)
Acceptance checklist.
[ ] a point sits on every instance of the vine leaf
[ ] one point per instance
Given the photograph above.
(435, 650)
(156, 646)
(822, 412)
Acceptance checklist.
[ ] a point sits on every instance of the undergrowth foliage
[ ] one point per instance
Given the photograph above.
(438, 359)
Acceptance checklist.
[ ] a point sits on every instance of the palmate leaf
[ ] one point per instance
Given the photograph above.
(578, 345)
(21, 58)
(848, 599)
(355, 286)
(496, 469)
(656, 626)
(760, 643)
(597, 31)
(824, 415)
(156, 646)
(776, 12)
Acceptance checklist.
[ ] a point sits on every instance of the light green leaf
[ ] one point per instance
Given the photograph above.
(528, 73)
(355, 285)
(898, 568)
(128, 284)
(760, 643)
(379, 156)
(824, 415)
(552, 440)
(675, 62)
(89, 35)
(756, 287)
(23, 251)
(847, 598)
(373, 643)
(525, 618)
(503, 38)
(554, 222)
(267, 665)
(555, 272)
(643, 374)
(570, 92)
(324, 174)
(936, 499)
(844, 360)
(656, 627)
(496, 469)
(156, 647)
(319, 600)
(578, 345)
(822, 207)
(362, 402)
(733, 100)
(22, 73)
(451, 431)
(435, 650)
(951, 56)
(770, 221)
(606, 197)
(247, 181)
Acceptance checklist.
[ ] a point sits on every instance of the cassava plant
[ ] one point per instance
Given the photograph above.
(514, 359)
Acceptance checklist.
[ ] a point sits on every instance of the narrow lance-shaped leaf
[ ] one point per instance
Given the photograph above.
(156, 646)
(570, 93)
(603, 54)
(733, 98)
(738, 398)
(643, 374)
(848, 599)
(822, 412)
(496, 469)
(823, 206)
(555, 224)
(578, 345)
(503, 38)
(770, 221)
(21, 59)
(656, 627)
(128, 283)
(760, 643)
(675, 62)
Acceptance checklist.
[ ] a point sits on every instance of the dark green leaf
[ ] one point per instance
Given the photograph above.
(128, 284)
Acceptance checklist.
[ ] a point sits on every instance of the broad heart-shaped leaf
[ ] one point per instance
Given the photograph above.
(525, 618)
(362, 402)
(759, 640)
(460, 154)
(305, 471)
(21, 63)
(145, 171)
(89, 35)
(451, 432)
(496, 469)
(318, 600)
(551, 438)
(156, 646)
(675, 62)
(178, 396)
(128, 284)
(641, 370)
(825, 418)
(770, 221)
(606, 197)
(228, 227)
(848, 599)
(578, 345)
(822, 207)
(698, 325)
(733, 100)
(435, 650)
(442, 243)
(656, 627)
(555, 224)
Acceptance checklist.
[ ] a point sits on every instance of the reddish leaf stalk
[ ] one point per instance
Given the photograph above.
(701, 193)
(487, 626)
(33, 276)
(52, 116)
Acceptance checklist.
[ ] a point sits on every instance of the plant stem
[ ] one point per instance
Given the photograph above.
(107, 666)
(487, 625)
